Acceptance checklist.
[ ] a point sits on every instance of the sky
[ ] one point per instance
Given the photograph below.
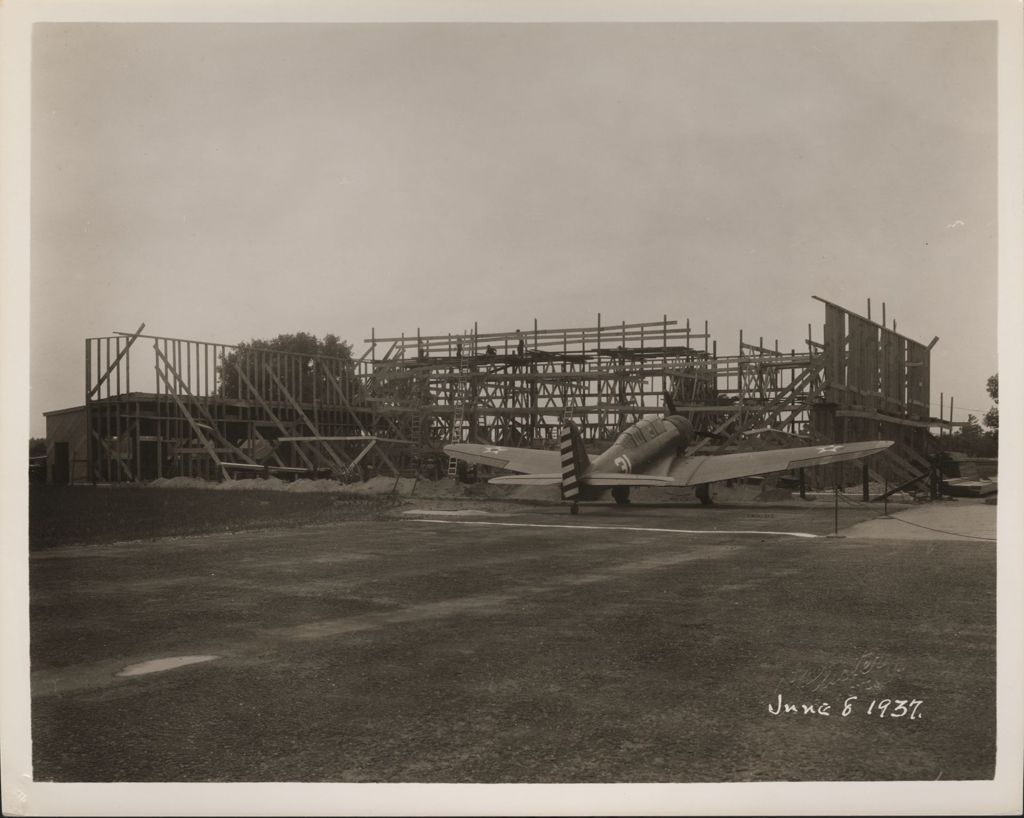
(228, 182)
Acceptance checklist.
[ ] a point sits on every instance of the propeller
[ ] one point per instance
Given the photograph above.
(670, 405)
(712, 435)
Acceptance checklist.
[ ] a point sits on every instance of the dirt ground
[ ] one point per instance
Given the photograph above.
(179, 506)
(462, 640)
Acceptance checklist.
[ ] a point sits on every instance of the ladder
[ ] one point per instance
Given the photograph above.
(563, 420)
(456, 437)
(416, 435)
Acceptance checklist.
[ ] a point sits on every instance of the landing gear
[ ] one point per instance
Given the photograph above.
(703, 492)
(621, 495)
(574, 508)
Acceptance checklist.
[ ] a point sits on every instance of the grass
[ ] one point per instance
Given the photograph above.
(84, 515)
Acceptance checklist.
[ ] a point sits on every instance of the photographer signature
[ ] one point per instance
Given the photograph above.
(869, 672)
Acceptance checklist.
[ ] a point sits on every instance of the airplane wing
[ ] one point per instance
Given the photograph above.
(592, 479)
(620, 479)
(527, 480)
(526, 461)
(690, 471)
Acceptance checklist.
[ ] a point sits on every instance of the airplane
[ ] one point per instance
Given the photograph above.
(651, 452)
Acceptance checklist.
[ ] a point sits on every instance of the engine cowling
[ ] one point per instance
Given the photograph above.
(686, 433)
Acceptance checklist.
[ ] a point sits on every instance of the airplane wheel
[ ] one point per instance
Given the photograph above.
(574, 508)
(703, 493)
(620, 494)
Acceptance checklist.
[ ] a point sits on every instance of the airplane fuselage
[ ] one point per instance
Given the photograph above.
(639, 448)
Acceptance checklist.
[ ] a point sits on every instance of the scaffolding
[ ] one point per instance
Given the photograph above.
(515, 388)
(860, 381)
(220, 411)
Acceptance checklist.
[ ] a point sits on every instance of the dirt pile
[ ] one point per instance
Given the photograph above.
(402, 486)
(451, 490)
(254, 484)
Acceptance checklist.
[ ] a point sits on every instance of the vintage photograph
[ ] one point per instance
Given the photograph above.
(513, 401)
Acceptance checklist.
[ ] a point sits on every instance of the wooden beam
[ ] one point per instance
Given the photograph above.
(301, 355)
(115, 454)
(273, 446)
(202, 409)
(341, 395)
(266, 408)
(340, 438)
(362, 454)
(924, 424)
(498, 336)
(305, 418)
(900, 487)
(113, 365)
(265, 468)
(210, 450)
(851, 312)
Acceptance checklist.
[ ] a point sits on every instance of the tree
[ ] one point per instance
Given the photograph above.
(971, 439)
(970, 435)
(307, 370)
(992, 416)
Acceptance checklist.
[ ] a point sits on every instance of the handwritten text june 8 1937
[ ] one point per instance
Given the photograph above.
(851, 705)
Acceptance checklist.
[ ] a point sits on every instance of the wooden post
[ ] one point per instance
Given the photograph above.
(89, 452)
(865, 482)
(664, 353)
(138, 443)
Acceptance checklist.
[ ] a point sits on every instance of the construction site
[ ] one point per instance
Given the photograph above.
(159, 407)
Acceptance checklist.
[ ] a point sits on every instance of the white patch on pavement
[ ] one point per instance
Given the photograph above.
(462, 512)
(627, 528)
(157, 665)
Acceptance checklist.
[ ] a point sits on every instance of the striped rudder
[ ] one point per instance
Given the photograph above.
(573, 461)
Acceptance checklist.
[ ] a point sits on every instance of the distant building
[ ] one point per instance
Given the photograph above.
(67, 446)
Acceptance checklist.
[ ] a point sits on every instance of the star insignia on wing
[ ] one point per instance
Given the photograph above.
(835, 447)
(493, 450)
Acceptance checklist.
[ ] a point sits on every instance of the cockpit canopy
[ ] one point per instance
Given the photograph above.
(642, 432)
(648, 429)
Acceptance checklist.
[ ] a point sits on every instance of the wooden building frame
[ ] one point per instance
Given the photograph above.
(219, 411)
(861, 381)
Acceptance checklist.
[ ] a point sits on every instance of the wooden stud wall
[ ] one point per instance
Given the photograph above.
(215, 410)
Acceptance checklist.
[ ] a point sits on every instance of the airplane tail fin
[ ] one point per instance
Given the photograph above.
(574, 461)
